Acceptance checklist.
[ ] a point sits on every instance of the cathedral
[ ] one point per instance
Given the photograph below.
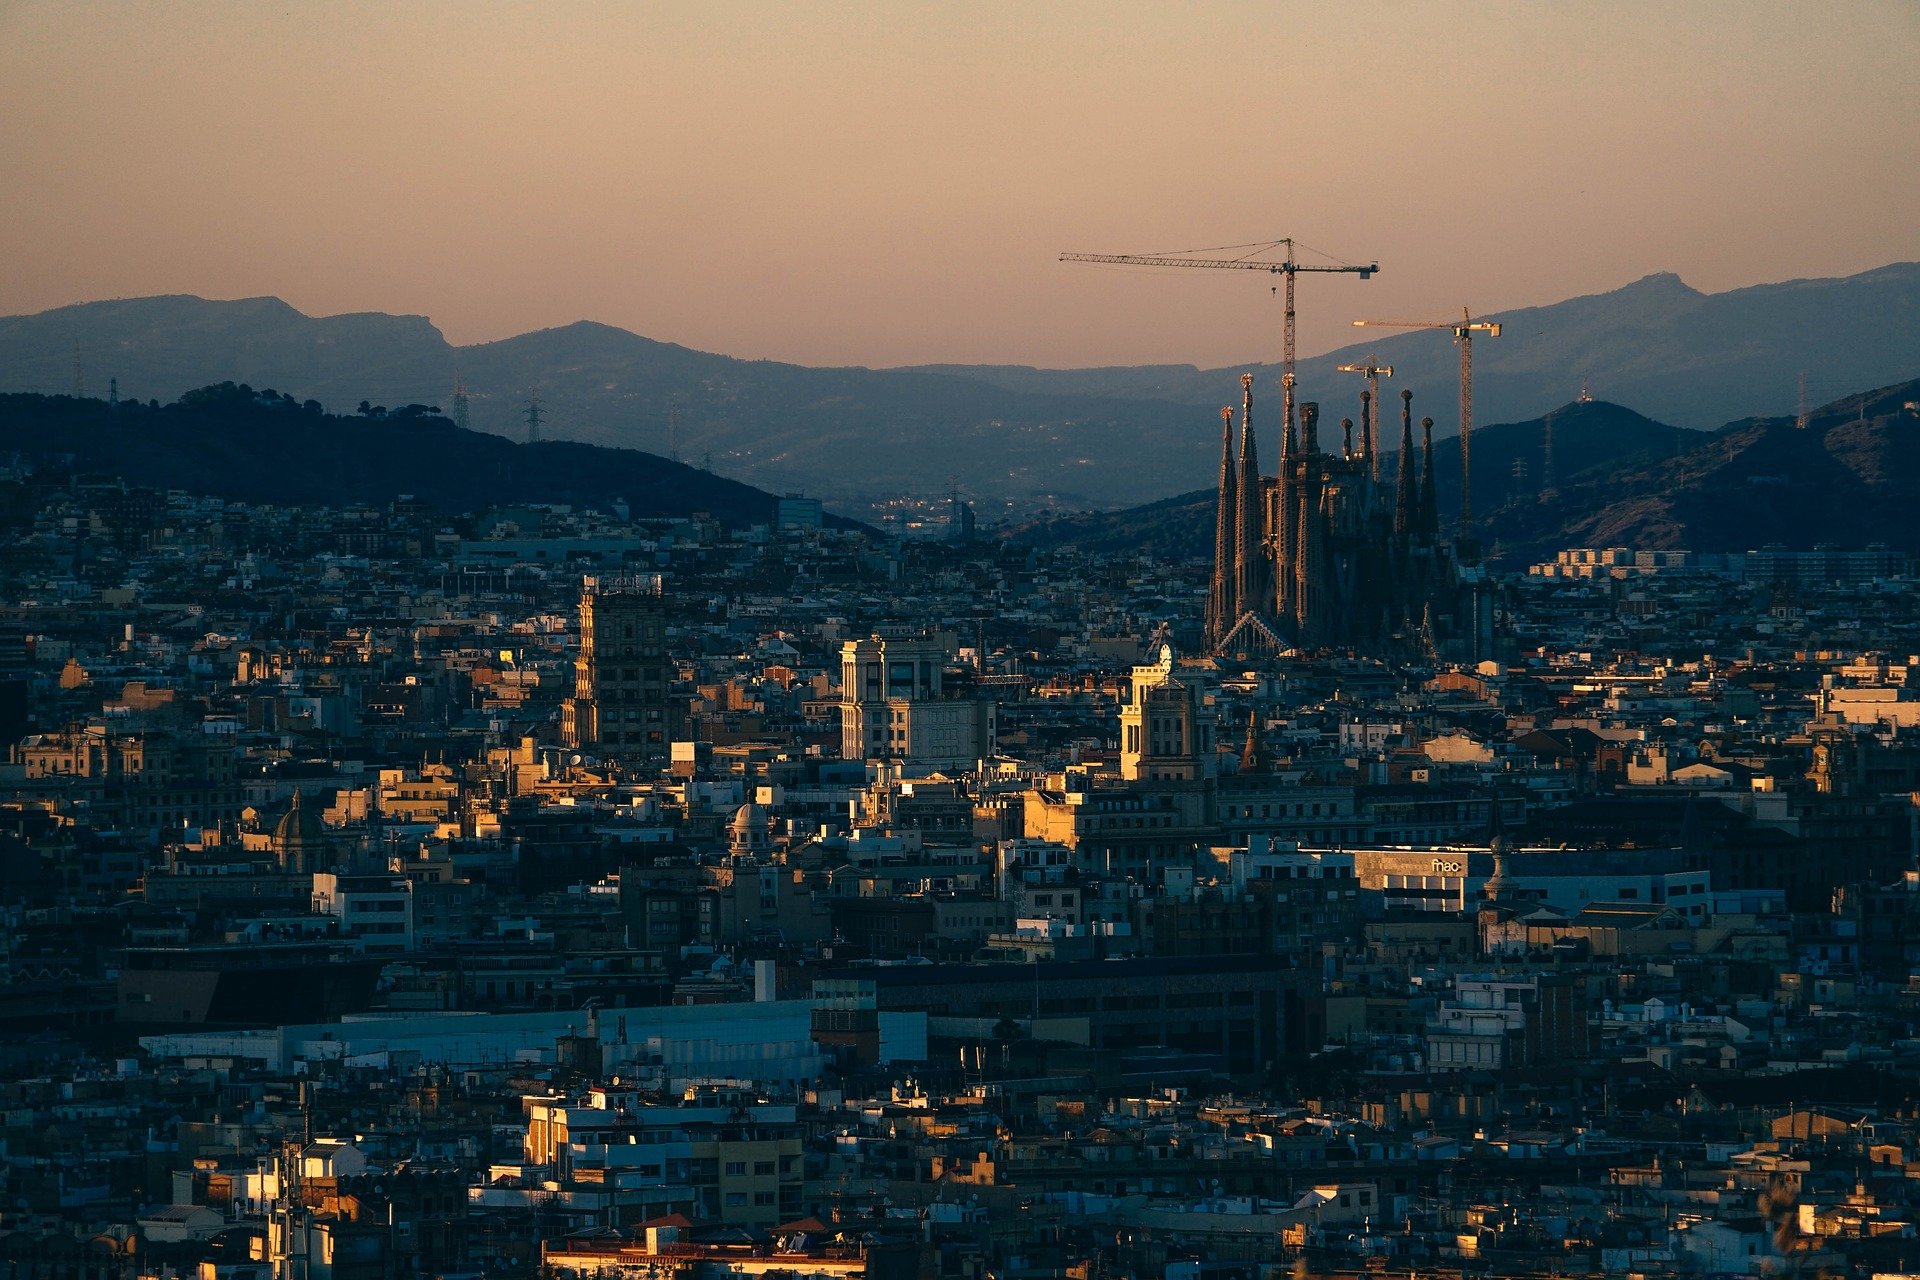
(1330, 553)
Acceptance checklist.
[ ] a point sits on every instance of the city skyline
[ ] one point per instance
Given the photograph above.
(859, 185)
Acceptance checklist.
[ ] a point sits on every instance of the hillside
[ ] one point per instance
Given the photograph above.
(1016, 439)
(849, 436)
(230, 443)
(1587, 435)
(1848, 479)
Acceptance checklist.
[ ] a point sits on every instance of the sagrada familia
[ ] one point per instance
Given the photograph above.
(1329, 554)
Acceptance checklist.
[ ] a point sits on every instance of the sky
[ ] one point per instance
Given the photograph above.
(887, 184)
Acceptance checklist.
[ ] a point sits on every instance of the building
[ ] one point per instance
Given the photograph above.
(1498, 1023)
(1244, 1010)
(899, 701)
(620, 705)
(1165, 735)
(1327, 553)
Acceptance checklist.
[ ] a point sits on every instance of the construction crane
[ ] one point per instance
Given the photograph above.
(1246, 261)
(1374, 371)
(1463, 330)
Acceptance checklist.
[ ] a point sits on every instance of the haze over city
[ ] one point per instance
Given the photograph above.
(809, 731)
(874, 184)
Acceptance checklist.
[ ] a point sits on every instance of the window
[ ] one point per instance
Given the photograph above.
(763, 1197)
(763, 1168)
(736, 1168)
(736, 1199)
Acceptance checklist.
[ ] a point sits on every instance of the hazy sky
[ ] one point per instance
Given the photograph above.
(890, 183)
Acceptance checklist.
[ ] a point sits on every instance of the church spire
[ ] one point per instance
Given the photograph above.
(1285, 494)
(1369, 436)
(1253, 756)
(1429, 502)
(1403, 513)
(1252, 531)
(1221, 603)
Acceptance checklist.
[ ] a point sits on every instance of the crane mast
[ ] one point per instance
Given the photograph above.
(1374, 371)
(1463, 330)
(1287, 267)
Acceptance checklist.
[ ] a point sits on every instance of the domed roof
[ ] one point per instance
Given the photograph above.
(299, 828)
(748, 832)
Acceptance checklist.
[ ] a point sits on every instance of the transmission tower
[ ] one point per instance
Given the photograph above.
(461, 415)
(532, 416)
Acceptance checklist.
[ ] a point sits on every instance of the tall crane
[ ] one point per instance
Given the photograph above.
(1374, 371)
(1463, 330)
(1249, 260)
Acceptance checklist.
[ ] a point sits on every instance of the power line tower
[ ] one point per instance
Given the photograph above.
(1546, 456)
(462, 416)
(1800, 416)
(673, 433)
(532, 415)
(79, 373)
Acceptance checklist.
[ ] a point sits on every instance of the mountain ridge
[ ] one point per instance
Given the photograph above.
(1624, 480)
(231, 442)
(1017, 438)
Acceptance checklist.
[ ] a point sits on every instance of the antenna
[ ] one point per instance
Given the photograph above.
(533, 419)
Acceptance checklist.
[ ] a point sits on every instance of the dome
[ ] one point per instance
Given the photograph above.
(300, 838)
(747, 831)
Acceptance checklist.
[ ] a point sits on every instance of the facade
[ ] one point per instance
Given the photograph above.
(897, 703)
(1494, 1023)
(1165, 733)
(620, 705)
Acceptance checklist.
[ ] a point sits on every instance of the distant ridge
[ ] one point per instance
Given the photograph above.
(1016, 438)
(1621, 479)
(232, 443)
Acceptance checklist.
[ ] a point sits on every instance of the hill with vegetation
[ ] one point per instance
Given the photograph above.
(229, 441)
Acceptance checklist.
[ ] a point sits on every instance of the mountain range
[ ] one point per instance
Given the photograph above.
(1015, 439)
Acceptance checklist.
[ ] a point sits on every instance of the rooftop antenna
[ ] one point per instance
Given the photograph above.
(533, 419)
